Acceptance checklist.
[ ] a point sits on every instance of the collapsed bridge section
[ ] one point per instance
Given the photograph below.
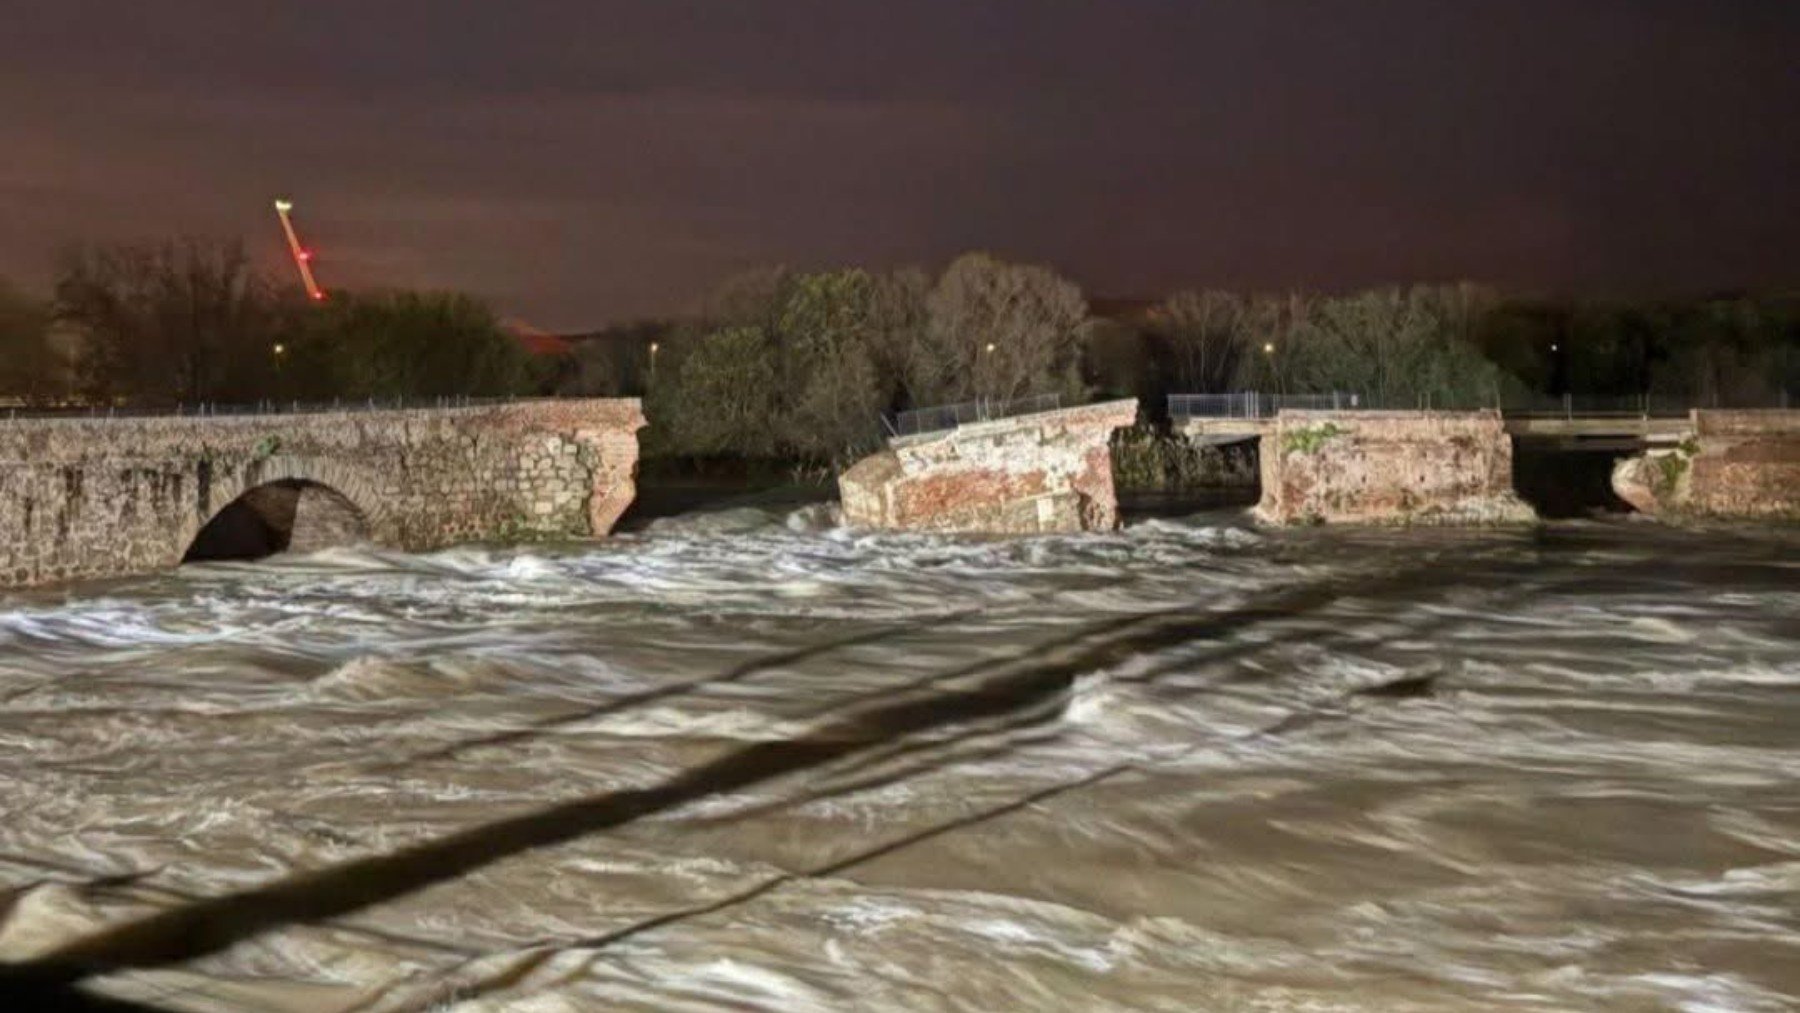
(1044, 472)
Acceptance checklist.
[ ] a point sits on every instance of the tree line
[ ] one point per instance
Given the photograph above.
(190, 321)
(804, 365)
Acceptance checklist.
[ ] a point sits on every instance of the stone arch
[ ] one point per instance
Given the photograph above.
(281, 504)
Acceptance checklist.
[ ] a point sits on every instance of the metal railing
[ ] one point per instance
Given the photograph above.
(215, 409)
(1251, 404)
(1609, 406)
(933, 419)
(1258, 405)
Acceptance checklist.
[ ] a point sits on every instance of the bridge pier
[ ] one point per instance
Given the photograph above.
(1456, 467)
(1731, 464)
(1389, 467)
(84, 498)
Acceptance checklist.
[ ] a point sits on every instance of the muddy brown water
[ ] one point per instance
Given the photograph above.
(745, 760)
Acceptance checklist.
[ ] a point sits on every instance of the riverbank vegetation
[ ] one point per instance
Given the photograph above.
(802, 367)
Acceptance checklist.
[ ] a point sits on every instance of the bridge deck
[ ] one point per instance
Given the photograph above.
(1632, 427)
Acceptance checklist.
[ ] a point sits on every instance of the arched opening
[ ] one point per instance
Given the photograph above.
(290, 515)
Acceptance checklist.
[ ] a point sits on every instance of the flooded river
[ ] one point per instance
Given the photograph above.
(747, 761)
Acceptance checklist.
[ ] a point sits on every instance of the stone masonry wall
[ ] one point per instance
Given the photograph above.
(103, 497)
(1389, 468)
(1735, 464)
(1047, 472)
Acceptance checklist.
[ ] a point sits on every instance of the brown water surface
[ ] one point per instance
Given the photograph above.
(748, 761)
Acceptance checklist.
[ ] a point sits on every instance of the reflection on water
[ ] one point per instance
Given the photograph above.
(744, 760)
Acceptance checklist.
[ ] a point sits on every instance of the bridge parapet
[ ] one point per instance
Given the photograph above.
(106, 497)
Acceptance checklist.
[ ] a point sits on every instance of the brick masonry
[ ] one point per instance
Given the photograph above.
(1742, 464)
(1370, 467)
(1046, 472)
(83, 498)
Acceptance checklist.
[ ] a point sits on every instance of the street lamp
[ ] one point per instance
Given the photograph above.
(990, 348)
(1269, 348)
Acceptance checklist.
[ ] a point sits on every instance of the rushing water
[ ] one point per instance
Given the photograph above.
(1186, 766)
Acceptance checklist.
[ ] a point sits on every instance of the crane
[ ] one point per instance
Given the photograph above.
(302, 255)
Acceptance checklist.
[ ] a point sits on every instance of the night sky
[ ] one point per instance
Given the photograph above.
(580, 162)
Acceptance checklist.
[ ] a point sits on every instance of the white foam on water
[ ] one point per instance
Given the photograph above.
(1588, 805)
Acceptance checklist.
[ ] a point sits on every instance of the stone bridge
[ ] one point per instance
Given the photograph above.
(100, 497)
(1455, 467)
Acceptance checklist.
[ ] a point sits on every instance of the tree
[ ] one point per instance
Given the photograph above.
(802, 363)
(406, 344)
(1206, 334)
(1114, 358)
(179, 321)
(615, 361)
(751, 298)
(1394, 347)
(1277, 330)
(898, 321)
(31, 369)
(1731, 352)
(998, 330)
(726, 395)
(832, 398)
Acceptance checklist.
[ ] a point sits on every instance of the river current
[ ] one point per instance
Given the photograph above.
(746, 760)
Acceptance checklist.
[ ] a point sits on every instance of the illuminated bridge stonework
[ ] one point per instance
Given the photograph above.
(1046, 472)
(84, 498)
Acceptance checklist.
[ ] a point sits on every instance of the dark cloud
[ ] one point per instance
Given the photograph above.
(579, 161)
